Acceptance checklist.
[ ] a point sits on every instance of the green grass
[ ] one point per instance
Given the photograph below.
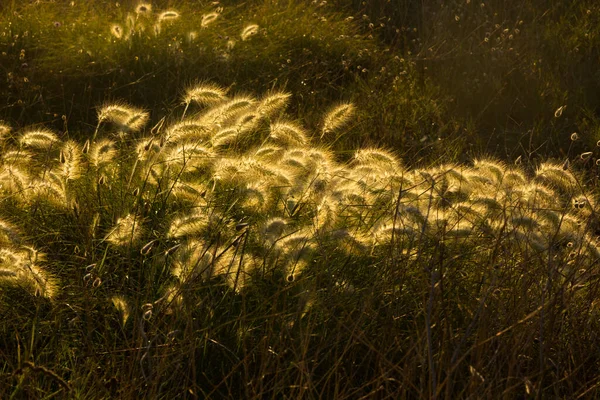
(326, 209)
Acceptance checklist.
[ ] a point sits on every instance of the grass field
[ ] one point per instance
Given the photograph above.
(288, 199)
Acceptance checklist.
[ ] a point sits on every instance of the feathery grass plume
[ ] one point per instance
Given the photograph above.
(514, 178)
(325, 215)
(193, 192)
(71, 160)
(193, 260)
(173, 298)
(249, 31)
(557, 177)
(219, 114)
(297, 246)
(117, 31)
(337, 117)
(490, 169)
(240, 170)
(378, 158)
(189, 225)
(296, 162)
(51, 189)
(273, 103)
(17, 157)
(39, 139)
(188, 130)
(269, 153)
(189, 157)
(9, 235)
(287, 133)
(17, 268)
(224, 137)
(209, 18)
(273, 229)
(369, 177)
(13, 179)
(5, 130)
(253, 199)
(320, 185)
(126, 117)
(539, 196)
(235, 267)
(455, 181)
(342, 189)
(136, 120)
(102, 152)
(247, 122)
(114, 112)
(126, 231)
(157, 173)
(122, 305)
(318, 159)
(204, 94)
(480, 182)
(168, 15)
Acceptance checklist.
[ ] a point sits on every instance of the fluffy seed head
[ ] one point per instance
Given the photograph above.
(378, 158)
(337, 117)
(123, 115)
(4, 130)
(288, 133)
(117, 31)
(273, 103)
(71, 160)
(40, 139)
(188, 130)
(204, 93)
(122, 305)
(249, 31)
(102, 152)
(188, 225)
(126, 231)
(17, 268)
(207, 19)
(168, 15)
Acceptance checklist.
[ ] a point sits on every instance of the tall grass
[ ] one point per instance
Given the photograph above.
(283, 199)
(265, 265)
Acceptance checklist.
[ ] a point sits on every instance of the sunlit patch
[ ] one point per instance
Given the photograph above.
(249, 31)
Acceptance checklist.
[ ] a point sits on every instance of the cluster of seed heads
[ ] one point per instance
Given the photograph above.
(244, 190)
(144, 20)
(20, 265)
